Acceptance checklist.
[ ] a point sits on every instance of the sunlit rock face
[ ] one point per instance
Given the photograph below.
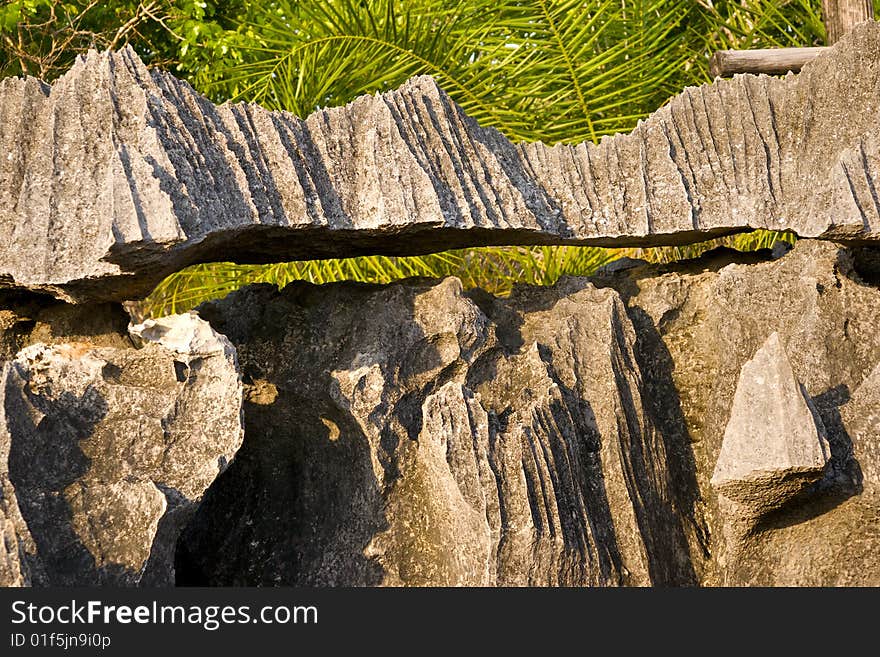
(707, 328)
(699, 423)
(416, 435)
(707, 422)
(116, 176)
(774, 445)
(106, 453)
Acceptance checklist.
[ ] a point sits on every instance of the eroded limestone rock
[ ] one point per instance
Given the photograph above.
(861, 417)
(774, 446)
(106, 452)
(116, 176)
(413, 435)
(698, 324)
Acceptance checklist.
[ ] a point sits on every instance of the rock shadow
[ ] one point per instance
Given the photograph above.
(843, 474)
(667, 528)
(865, 265)
(296, 507)
(661, 478)
(45, 459)
(300, 502)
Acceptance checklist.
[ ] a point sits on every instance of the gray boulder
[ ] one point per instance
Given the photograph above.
(105, 452)
(116, 176)
(639, 427)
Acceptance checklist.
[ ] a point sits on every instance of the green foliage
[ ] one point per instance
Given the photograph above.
(551, 70)
(42, 37)
(548, 70)
(493, 269)
(746, 24)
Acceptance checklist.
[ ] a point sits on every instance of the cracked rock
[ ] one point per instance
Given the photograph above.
(699, 322)
(106, 452)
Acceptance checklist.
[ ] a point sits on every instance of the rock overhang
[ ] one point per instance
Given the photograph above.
(116, 176)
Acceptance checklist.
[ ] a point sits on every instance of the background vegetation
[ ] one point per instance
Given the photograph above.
(549, 70)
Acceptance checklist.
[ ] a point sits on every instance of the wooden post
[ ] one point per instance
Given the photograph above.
(772, 61)
(840, 16)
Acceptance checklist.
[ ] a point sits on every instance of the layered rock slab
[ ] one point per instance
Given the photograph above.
(413, 435)
(116, 176)
(106, 451)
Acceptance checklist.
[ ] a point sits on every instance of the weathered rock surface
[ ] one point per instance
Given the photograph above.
(27, 319)
(698, 324)
(106, 451)
(591, 433)
(414, 435)
(16, 539)
(774, 445)
(116, 176)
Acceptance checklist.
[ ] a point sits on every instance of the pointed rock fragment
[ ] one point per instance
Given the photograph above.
(774, 445)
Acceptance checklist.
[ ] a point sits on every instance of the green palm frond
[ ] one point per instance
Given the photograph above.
(549, 70)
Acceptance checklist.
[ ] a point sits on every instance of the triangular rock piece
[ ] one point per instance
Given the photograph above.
(774, 445)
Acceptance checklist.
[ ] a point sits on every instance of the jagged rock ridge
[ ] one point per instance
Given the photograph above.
(116, 176)
(422, 437)
(700, 323)
(414, 434)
